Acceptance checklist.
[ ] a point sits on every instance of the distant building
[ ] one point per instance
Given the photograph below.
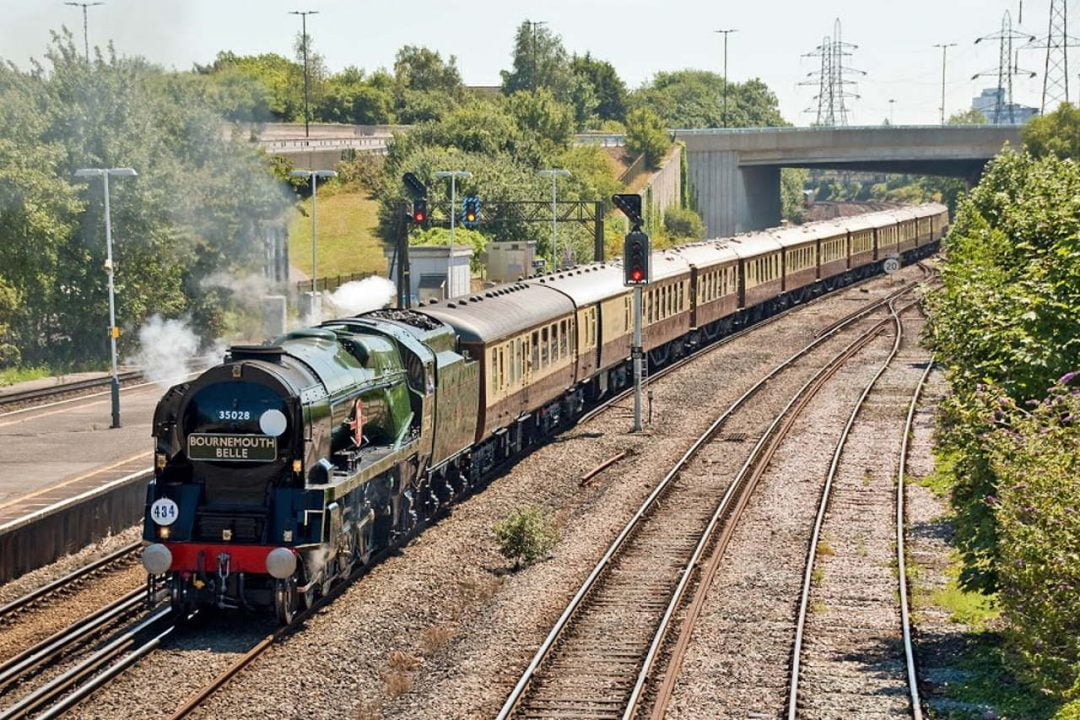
(1010, 113)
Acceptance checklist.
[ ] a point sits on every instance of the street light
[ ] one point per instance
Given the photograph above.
(303, 45)
(554, 174)
(313, 177)
(114, 332)
(85, 34)
(453, 175)
(725, 33)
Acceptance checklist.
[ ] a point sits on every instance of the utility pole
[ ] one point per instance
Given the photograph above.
(85, 33)
(453, 175)
(313, 176)
(892, 111)
(944, 58)
(1055, 89)
(533, 24)
(554, 174)
(114, 332)
(1006, 68)
(304, 47)
(725, 33)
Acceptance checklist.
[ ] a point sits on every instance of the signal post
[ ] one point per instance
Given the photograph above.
(637, 253)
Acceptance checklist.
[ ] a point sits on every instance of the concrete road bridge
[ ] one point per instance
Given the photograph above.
(735, 173)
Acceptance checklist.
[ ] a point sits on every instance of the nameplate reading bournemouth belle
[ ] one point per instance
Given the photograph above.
(232, 448)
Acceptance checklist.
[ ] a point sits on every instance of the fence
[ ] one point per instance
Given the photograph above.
(332, 282)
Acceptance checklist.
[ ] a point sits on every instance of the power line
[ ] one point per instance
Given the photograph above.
(1007, 68)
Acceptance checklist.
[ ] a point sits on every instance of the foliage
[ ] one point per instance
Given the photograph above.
(1035, 456)
(792, 198)
(525, 536)
(968, 117)
(276, 85)
(423, 70)
(646, 134)
(695, 99)
(1055, 134)
(608, 89)
(462, 236)
(1008, 317)
(683, 224)
(543, 119)
(540, 61)
(201, 203)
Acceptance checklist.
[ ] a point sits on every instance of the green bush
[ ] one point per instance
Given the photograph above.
(1036, 458)
(1008, 316)
(684, 223)
(526, 535)
(646, 135)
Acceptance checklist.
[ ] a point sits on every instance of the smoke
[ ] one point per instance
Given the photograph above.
(246, 291)
(360, 296)
(169, 351)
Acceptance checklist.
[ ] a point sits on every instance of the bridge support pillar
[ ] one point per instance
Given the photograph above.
(733, 199)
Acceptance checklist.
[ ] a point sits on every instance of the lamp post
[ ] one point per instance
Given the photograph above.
(303, 40)
(313, 177)
(892, 116)
(554, 174)
(85, 33)
(114, 332)
(944, 59)
(725, 33)
(453, 175)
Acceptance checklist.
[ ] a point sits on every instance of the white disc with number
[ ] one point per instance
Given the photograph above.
(891, 265)
(164, 511)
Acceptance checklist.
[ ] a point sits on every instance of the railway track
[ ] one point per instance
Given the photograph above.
(598, 657)
(21, 398)
(197, 699)
(860, 499)
(65, 584)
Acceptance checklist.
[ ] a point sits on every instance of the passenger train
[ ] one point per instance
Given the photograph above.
(281, 469)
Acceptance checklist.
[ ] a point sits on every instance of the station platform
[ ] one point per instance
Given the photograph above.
(55, 381)
(69, 478)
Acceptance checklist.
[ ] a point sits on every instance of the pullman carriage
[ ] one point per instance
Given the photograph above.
(604, 314)
(759, 268)
(526, 342)
(800, 264)
(665, 305)
(907, 224)
(860, 230)
(714, 271)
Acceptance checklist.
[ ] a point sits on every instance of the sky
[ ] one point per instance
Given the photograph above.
(640, 37)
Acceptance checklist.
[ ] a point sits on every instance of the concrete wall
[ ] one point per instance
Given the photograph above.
(663, 189)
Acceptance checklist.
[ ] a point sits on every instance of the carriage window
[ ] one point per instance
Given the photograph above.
(564, 339)
(544, 347)
(536, 350)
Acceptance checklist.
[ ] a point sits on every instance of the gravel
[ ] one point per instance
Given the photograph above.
(442, 628)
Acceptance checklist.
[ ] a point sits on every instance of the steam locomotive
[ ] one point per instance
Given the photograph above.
(281, 469)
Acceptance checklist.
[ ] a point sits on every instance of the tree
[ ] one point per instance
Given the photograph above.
(540, 61)
(276, 75)
(543, 120)
(315, 70)
(647, 135)
(694, 99)
(1056, 134)
(201, 204)
(423, 70)
(608, 88)
(792, 194)
(968, 117)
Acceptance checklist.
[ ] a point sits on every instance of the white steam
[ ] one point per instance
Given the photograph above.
(169, 351)
(360, 296)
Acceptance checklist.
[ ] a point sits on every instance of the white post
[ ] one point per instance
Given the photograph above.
(115, 385)
(636, 353)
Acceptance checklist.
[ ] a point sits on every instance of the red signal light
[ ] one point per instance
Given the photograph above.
(419, 216)
(636, 275)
